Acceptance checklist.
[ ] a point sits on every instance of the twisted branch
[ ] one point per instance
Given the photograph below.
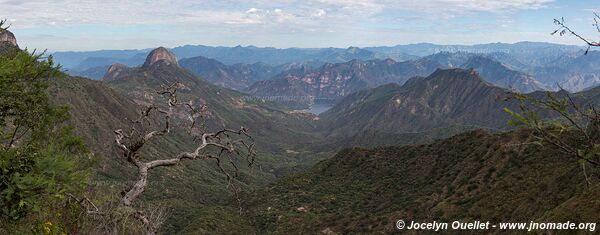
(226, 141)
(564, 29)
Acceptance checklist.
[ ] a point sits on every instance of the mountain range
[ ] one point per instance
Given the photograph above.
(311, 175)
(285, 74)
(333, 81)
(100, 107)
(471, 176)
(237, 76)
(444, 98)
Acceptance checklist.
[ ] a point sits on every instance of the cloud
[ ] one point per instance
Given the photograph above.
(469, 5)
(243, 12)
(266, 21)
(319, 13)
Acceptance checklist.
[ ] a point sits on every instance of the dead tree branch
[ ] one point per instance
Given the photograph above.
(564, 29)
(227, 142)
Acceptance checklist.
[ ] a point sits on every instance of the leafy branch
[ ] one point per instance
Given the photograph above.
(582, 125)
(564, 29)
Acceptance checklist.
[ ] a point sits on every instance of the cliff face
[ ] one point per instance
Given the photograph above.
(8, 37)
(160, 54)
(114, 71)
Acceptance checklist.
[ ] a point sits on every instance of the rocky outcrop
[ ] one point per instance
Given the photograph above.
(500, 75)
(8, 37)
(333, 81)
(114, 71)
(160, 54)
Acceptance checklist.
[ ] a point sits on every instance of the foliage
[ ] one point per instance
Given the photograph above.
(471, 176)
(40, 159)
(564, 29)
(583, 125)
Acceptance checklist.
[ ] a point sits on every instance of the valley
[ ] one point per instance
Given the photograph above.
(316, 144)
(294, 140)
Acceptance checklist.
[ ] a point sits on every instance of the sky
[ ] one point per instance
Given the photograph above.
(83, 25)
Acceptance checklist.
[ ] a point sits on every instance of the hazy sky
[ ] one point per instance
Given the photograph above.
(128, 24)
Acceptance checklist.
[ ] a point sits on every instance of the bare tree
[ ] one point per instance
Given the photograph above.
(576, 130)
(2, 23)
(564, 29)
(221, 146)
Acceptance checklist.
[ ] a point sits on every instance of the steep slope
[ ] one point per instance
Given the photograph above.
(273, 128)
(333, 81)
(195, 189)
(94, 73)
(446, 97)
(114, 71)
(498, 74)
(8, 37)
(492, 69)
(472, 176)
(237, 76)
(96, 110)
(573, 74)
(8, 41)
(99, 108)
(530, 54)
(449, 59)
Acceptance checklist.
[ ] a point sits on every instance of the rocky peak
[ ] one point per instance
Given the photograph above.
(114, 71)
(160, 54)
(355, 63)
(7, 36)
(455, 74)
(352, 49)
(389, 61)
(477, 61)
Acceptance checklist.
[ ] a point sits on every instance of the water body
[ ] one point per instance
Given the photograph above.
(319, 108)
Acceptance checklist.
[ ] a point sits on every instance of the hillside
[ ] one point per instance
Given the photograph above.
(445, 98)
(333, 81)
(472, 176)
(572, 73)
(197, 188)
(498, 74)
(227, 108)
(98, 110)
(237, 76)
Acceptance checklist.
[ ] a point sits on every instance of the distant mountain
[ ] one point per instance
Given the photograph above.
(491, 69)
(546, 62)
(333, 81)
(444, 98)
(94, 73)
(237, 76)
(274, 56)
(528, 53)
(87, 59)
(573, 74)
(114, 71)
(81, 61)
(498, 74)
(450, 59)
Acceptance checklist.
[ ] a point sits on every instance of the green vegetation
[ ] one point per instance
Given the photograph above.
(476, 175)
(428, 172)
(583, 123)
(41, 161)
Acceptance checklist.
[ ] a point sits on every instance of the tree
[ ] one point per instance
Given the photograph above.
(40, 159)
(576, 130)
(564, 29)
(222, 146)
